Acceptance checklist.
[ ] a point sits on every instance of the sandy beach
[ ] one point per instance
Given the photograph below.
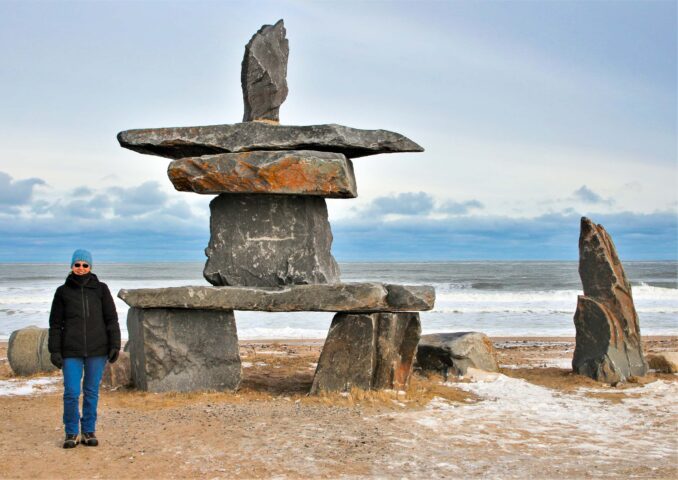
(534, 419)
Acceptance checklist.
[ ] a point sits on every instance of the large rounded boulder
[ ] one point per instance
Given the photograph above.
(27, 351)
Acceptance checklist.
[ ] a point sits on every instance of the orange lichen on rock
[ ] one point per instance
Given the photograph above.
(298, 172)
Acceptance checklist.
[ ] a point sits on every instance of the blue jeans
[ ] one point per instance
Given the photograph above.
(93, 368)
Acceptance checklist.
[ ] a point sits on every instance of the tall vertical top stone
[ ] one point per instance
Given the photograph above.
(264, 73)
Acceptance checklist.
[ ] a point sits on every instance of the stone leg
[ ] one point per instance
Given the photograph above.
(368, 351)
(183, 350)
(269, 241)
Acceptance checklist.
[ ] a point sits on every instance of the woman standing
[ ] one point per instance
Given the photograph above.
(83, 334)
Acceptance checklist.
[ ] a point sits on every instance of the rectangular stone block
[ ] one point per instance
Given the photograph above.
(294, 172)
(397, 340)
(349, 355)
(183, 350)
(269, 241)
(368, 351)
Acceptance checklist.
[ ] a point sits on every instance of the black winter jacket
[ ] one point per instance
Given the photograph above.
(83, 321)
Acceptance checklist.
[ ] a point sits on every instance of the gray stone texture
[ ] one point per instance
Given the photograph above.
(181, 142)
(264, 73)
(368, 351)
(27, 351)
(608, 343)
(292, 172)
(456, 352)
(118, 374)
(183, 350)
(269, 240)
(337, 297)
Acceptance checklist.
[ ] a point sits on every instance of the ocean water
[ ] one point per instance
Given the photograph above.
(497, 298)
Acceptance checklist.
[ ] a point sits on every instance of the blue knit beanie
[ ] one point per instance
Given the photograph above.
(82, 255)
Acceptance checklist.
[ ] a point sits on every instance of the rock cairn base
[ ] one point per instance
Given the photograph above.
(368, 351)
(183, 350)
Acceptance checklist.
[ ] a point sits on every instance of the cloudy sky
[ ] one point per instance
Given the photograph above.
(532, 114)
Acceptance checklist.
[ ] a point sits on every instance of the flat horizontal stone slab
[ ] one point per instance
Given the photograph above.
(338, 297)
(184, 142)
(292, 172)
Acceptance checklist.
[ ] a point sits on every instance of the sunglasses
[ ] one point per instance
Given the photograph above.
(83, 265)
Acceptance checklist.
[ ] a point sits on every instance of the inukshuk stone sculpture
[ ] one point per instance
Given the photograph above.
(270, 233)
(608, 344)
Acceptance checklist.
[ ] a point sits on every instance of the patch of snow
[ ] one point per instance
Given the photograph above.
(429, 422)
(516, 366)
(447, 465)
(246, 364)
(564, 363)
(478, 375)
(528, 343)
(540, 416)
(15, 387)
(571, 429)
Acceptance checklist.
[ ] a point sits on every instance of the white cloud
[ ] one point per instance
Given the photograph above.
(17, 192)
(586, 195)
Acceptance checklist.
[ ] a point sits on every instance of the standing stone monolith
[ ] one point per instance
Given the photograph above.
(264, 73)
(608, 344)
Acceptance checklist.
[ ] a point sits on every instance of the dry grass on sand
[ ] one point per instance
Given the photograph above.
(270, 427)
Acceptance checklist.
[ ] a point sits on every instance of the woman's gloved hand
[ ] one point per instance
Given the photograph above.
(57, 360)
(113, 355)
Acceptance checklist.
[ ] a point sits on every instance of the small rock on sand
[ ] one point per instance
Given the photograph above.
(665, 362)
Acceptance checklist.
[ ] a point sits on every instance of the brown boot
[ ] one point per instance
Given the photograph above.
(89, 439)
(70, 441)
